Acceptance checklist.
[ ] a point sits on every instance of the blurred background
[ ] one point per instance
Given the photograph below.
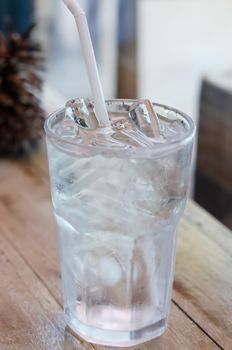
(176, 52)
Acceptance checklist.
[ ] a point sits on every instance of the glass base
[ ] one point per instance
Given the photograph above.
(117, 338)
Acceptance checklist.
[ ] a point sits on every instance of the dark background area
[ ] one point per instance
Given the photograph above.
(21, 12)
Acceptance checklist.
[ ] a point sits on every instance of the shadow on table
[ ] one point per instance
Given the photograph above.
(71, 342)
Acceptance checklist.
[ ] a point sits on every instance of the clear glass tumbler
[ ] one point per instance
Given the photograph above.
(117, 213)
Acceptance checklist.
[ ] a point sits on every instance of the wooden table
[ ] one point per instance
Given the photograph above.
(30, 295)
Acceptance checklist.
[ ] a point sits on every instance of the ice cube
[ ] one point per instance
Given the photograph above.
(81, 111)
(144, 117)
(110, 271)
(128, 133)
(118, 107)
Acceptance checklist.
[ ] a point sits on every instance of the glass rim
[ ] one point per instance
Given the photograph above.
(158, 149)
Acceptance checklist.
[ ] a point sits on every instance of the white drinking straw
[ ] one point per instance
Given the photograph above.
(90, 60)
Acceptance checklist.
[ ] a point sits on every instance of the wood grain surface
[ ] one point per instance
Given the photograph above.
(30, 294)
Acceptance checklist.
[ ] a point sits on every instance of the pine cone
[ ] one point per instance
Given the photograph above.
(21, 117)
